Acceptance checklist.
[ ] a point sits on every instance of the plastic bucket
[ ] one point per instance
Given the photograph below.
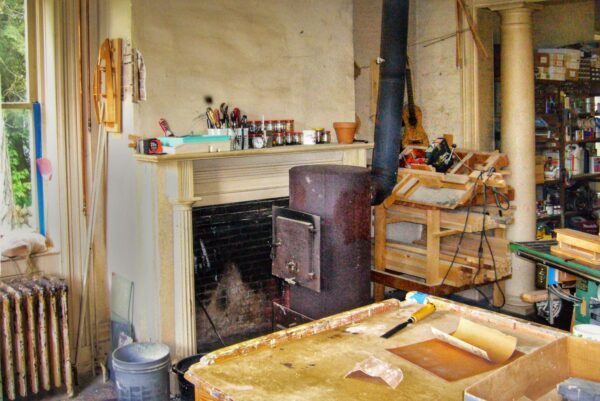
(185, 387)
(142, 372)
(587, 331)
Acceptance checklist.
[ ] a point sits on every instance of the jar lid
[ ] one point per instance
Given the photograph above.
(319, 129)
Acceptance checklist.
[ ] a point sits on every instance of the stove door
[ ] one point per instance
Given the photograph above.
(296, 248)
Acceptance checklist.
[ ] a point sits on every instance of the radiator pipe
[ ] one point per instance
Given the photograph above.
(388, 123)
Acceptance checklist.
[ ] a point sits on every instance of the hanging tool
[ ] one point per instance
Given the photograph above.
(421, 314)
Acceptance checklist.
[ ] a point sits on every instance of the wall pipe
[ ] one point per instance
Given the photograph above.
(388, 124)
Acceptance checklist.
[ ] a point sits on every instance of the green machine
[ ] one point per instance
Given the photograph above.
(587, 309)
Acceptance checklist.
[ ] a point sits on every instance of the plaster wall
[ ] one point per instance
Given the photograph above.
(277, 58)
(436, 81)
(560, 24)
(123, 217)
(283, 59)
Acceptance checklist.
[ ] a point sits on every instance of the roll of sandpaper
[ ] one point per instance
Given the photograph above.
(483, 341)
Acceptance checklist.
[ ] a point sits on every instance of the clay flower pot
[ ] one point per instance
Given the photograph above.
(345, 132)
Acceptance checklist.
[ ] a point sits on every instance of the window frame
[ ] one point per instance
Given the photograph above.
(33, 38)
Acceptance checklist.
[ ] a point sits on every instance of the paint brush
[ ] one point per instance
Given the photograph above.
(421, 314)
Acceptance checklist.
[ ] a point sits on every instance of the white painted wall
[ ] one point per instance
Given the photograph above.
(280, 58)
(560, 24)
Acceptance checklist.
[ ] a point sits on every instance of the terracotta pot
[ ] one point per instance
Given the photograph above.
(345, 132)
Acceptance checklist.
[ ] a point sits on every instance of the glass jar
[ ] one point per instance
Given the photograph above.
(289, 138)
(258, 141)
(269, 125)
(278, 139)
(297, 138)
(289, 125)
(318, 134)
(325, 137)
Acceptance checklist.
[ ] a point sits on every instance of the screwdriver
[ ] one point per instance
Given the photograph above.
(418, 315)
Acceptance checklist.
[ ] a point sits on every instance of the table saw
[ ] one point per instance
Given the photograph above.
(588, 278)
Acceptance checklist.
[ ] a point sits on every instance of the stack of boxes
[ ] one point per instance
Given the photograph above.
(557, 64)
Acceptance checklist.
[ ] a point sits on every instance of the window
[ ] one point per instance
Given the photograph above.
(18, 206)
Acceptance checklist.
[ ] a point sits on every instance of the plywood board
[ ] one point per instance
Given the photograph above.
(446, 361)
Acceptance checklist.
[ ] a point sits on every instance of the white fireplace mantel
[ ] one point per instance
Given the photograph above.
(171, 185)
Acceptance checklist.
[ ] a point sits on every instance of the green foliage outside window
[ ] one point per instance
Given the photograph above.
(13, 85)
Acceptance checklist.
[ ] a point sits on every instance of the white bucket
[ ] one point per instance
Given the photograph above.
(587, 331)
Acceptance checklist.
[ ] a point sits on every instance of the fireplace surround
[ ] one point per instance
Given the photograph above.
(169, 188)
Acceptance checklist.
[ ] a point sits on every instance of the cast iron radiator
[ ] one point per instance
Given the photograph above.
(35, 349)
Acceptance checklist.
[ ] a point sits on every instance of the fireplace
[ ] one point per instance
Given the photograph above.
(232, 271)
(173, 190)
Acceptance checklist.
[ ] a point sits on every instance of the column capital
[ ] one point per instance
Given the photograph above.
(181, 203)
(507, 5)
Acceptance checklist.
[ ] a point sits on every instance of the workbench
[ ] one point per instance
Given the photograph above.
(309, 362)
(588, 278)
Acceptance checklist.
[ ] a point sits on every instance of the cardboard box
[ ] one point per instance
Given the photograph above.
(537, 374)
(594, 164)
(542, 59)
(572, 75)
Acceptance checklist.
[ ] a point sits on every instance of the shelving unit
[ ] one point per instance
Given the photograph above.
(561, 127)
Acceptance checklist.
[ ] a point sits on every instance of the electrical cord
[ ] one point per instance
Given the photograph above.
(462, 234)
(498, 199)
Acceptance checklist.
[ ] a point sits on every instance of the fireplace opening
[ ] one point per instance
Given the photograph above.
(232, 270)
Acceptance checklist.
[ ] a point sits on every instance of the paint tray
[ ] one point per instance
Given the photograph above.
(535, 376)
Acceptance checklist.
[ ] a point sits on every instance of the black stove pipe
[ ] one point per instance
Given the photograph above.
(392, 72)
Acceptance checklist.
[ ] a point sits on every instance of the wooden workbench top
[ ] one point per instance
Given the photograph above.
(310, 364)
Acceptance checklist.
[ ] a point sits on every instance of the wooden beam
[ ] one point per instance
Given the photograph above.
(380, 238)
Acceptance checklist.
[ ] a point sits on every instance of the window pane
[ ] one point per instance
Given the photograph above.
(13, 51)
(17, 198)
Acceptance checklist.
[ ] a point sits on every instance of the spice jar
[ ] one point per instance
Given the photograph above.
(297, 138)
(325, 137)
(289, 126)
(289, 138)
(318, 134)
(278, 139)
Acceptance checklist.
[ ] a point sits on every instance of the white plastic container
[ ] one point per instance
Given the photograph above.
(587, 331)
(309, 137)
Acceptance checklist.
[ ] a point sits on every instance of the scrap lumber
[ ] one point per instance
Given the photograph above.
(573, 244)
(448, 205)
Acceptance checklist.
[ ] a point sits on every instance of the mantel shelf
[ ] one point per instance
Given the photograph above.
(252, 152)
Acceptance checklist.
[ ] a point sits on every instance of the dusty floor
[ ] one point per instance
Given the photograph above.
(93, 390)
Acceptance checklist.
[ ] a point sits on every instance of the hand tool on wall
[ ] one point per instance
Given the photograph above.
(421, 314)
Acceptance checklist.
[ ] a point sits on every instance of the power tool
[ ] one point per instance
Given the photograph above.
(440, 155)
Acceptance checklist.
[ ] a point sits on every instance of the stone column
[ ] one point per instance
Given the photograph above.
(518, 139)
(183, 256)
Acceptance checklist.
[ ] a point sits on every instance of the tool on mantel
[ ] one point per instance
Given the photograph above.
(421, 314)
(164, 125)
